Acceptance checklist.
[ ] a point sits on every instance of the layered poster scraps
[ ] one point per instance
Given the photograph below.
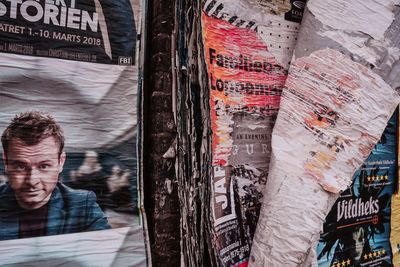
(74, 61)
(248, 46)
(357, 229)
(340, 95)
(336, 109)
(395, 216)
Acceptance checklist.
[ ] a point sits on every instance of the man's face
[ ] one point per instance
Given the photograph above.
(358, 243)
(33, 171)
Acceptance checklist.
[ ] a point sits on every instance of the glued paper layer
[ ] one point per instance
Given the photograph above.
(68, 81)
(339, 95)
(395, 221)
(248, 46)
(356, 231)
(333, 111)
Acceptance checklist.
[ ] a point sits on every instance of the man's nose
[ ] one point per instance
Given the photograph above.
(33, 177)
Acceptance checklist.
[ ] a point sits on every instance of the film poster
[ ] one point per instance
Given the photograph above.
(395, 220)
(357, 229)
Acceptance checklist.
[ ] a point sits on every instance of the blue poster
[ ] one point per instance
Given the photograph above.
(356, 232)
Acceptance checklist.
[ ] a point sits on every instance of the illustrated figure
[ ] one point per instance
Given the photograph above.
(90, 176)
(89, 167)
(34, 202)
(119, 186)
(118, 179)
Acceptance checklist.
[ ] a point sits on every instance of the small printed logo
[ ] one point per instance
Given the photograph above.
(126, 61)
(299, 4)
(375, 219)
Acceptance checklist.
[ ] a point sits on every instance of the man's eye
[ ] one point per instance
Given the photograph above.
(44, 166)
(20, 167)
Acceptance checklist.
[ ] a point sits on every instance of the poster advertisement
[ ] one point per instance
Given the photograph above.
(395, 217)
(248, 47)
(99, 31)
(357, 229)
(68, 119)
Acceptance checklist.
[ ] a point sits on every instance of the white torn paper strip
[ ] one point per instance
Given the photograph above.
(333, 111)
(371, 17)
(302, 187)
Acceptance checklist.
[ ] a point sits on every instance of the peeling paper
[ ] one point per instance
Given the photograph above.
(372, 17)
(247, 10)
(277, 7)
(370, 37)
(247, 67)
(245, 83)
(355, 44)
(381, 54)
(276, 22)
(337, 110)
(364, 48)
(242, 78)
(193, 159)
(387, 63)
(328, 82)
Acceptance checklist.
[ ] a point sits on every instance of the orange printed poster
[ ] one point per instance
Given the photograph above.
(245, 82)
(243, 77)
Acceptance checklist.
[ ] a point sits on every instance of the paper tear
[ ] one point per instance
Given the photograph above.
(372, 17)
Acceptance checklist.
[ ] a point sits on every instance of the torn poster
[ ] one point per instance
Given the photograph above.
(69, 81)
(395, 216)
(248, 46)
(334, 108)
(356, 231)
(275, 22)
(81, 30)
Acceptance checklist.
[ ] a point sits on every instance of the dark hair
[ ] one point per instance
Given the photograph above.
(32, 127)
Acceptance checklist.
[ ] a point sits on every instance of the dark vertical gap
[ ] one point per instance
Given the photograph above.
(147, 181)
(161, 204)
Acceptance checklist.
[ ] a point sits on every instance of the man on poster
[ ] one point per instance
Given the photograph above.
(33, 202)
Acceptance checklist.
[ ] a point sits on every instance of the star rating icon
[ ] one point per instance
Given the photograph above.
(374, 254)
(343, 263)
(377, 178)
